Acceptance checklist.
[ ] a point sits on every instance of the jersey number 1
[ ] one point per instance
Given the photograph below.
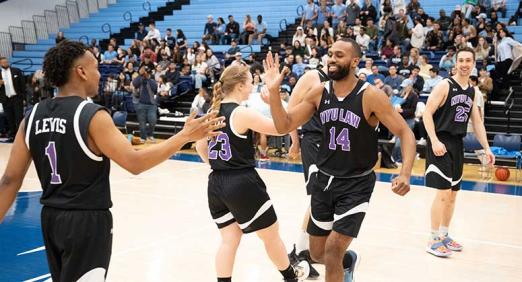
(50, 152)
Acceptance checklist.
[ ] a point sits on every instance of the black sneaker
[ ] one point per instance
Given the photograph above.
(292, 256)
(305, 255)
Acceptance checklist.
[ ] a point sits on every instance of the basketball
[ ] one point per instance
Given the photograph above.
(136, 141)
(502, 173)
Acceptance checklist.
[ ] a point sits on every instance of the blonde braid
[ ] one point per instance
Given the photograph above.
(218, 96)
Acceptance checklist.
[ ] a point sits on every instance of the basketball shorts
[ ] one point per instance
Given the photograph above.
(445, 172)
(310, 143)
(240, 196)
(339, 204)
(78, 243)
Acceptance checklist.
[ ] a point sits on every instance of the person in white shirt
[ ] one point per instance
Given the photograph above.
(12, 93)
(363, 39)
(153, 33)
(505, 44)
(434, 79)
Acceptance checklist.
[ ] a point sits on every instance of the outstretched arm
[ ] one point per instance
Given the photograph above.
(287, 121)
(108, 139)
(15, 171)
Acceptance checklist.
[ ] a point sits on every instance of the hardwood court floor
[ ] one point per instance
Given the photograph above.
(163, 230)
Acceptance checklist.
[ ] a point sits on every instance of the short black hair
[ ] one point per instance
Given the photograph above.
(435, 70)
(355, 46)
(60, 59)
(474, 78)
(3, 58)
(415, 67)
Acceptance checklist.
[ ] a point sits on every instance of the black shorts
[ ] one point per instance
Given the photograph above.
(240, 195)
(445, 172)
(339, 204)
(78, 243)
(310, 143)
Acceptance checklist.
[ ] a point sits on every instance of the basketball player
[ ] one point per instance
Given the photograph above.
(237, 196)
(349, 110)
(308, 142)
(448, 110)
(71, 142)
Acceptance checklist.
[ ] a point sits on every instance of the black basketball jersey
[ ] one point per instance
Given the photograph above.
(231, 150)
(71, 175)
(454, 114)
(349, 143)
(314, 124)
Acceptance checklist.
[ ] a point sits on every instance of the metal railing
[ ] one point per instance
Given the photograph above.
(6, 45)
(31, 64)
(29, 32)
(17, 34)
(51, 18)
(41, 26)
(63, 16)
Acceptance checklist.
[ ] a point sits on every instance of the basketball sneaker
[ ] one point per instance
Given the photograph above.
(303, 255)
(438, 249)
(348, 272)
(452, 244)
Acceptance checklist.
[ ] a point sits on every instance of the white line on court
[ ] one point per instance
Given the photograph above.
(32, 251)
(39, 278)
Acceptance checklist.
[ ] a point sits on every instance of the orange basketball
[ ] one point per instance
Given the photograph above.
(136, 141)
(502, 173)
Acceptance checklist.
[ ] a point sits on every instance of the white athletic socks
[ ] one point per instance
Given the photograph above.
(443, 230)
(303, 242)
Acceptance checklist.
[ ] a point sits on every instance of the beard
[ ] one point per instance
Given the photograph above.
(340, 73)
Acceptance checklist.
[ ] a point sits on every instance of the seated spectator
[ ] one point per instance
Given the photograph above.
(199, 69)
(261, 30)
(97, 54)
(444, 21)
(141, 33)
(148, 52)
(129, 70)
(314, 61)
(425, 67)
(393, 79)
(396, 57)
(298, 49)
(363, 39)
(198, 104)
(231, 52)
(299, 36)
(375, 74)
(110, 87)
(190, 56)
(485, 83)
(298, 67)
(238, 59)
(367, 67)
(412, 7)
(433, 80)
(163, 47)
(172, 74)
(231, 30)
(147, 61)
(135, 48)
(153, 34)
(362, 76)
(482, 49)
(214, 67)
(164, 90)
(249, 28)
(387, 50)
(353, 11)
(448, 61)
(373, 33)
(326, 37)
(414, 56)
(384, 87)
(120, 58)
(435, 38)
(407, 111)
(416, 80)
(405, 67)
(209, 30)
(220, 31)
(110, 55)
(181, 41)
(158, 72)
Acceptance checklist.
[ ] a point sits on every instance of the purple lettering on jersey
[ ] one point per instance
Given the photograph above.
(50, 152)
(225, 153)
(341, 115)
(462, 99)
(343, 139)
(462, 114)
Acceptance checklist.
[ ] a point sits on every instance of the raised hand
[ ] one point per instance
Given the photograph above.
(205, 126)
(273, 77)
